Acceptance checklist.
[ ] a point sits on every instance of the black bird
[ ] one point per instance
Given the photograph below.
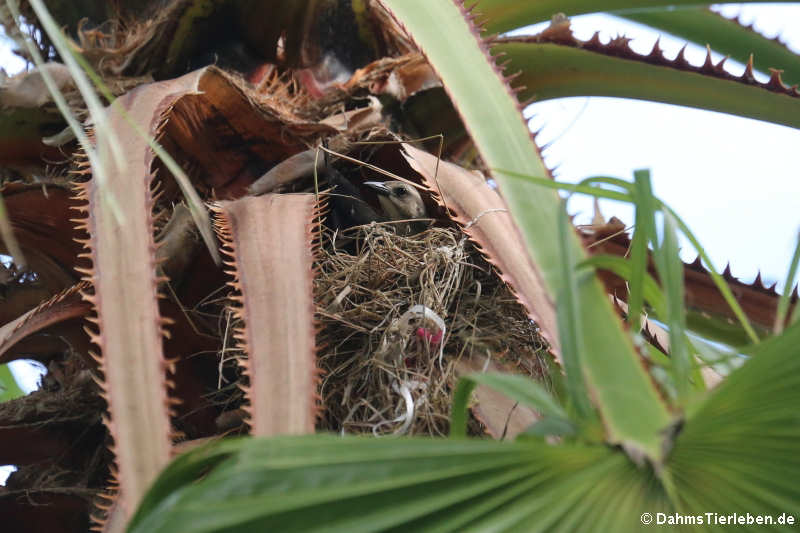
(347, 207)
(399, 201)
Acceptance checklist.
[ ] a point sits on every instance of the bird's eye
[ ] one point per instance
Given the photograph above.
(401, 191)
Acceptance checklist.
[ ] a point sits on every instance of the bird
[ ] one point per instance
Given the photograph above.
(348, 209)
(401, 201)
(398, 200)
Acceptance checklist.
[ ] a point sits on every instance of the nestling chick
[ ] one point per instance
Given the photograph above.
(401, 201)
(348, 208)
(398, 200)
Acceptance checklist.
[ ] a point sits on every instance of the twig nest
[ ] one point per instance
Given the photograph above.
(395, 319)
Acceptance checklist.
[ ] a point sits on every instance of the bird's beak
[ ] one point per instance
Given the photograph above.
(378, 187)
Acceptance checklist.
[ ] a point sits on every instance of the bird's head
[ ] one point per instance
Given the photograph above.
(399, 200)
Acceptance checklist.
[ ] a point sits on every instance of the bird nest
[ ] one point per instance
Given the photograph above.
(397, 316)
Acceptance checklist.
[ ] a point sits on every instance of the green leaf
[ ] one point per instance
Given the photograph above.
(182, 471)
(557, 427)
(717, 329)
(695, 23)
(658, 357)
(721, 359)
(352, 484)
(719, 281)
(107, 146)
(493, 118)
(520, 388)
(644, 234)
(555, 71)
(742, 439)
(622, 267)
(702, 26)
(22, 129)
(506, 15)
(670, 270)
(569, 323)
(791, 275)
(9, 389)
(710, 327)
(584, 187)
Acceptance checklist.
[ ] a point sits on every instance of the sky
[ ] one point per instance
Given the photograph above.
(735, 181)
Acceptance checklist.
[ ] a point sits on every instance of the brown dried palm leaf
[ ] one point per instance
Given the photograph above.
(758, 301)
(483, 215)
(64, 306)
(270, 240)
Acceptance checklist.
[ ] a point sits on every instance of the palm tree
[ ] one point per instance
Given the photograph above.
(244, 107)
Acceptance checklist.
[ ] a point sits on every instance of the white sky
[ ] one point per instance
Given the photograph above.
(735, 181)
